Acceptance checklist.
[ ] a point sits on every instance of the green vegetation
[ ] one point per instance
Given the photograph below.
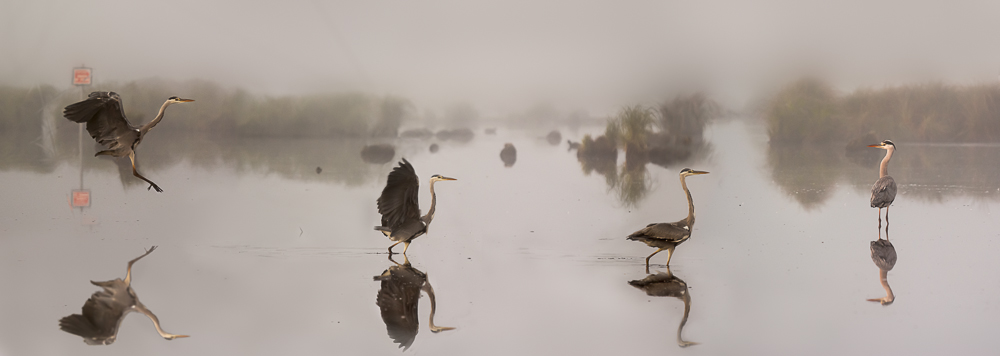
(219, 111)
(809, 111)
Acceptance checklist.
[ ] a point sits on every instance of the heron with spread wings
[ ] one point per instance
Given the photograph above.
(666, 236)
(104, 311)
(106, 123)
(401, 220)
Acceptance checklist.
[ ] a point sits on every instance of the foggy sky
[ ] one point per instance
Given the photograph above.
(503, 56)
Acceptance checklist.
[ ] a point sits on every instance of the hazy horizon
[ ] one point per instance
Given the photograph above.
(504, 56)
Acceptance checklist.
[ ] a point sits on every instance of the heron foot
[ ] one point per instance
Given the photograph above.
(154, 186)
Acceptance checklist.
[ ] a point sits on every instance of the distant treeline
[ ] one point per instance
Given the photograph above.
(222, 111)
(809, 110)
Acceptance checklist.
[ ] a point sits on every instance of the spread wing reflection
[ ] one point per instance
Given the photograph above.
(104, 311)
(665, 284)
(397, 300)
(884, 256)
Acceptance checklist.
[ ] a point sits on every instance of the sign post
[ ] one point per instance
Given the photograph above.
(82, 77)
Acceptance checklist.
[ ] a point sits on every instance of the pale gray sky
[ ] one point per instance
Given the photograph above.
(503, 55)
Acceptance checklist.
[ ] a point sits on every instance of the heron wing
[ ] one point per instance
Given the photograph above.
(661, 285)
(398, 202)
(102, 314)
(883, 192)
(663, 231)
(105, 118)
(397, 301)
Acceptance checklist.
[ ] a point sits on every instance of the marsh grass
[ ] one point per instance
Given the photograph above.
(809, 111)
(219, 111)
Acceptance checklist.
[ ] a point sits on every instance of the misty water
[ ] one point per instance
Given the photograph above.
(261, 255)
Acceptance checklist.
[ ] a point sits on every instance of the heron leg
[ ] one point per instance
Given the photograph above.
(670, 253)
(651, 256)
(128, 273)
(131, 156)
(393, 245)
(406, 245)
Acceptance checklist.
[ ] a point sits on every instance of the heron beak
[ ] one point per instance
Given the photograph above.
(178, 336)
(185, 100)
(447, 178)
(699, 172)
(876, 145)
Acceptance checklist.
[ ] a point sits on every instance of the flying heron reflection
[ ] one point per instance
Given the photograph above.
(397, 301)
(106, 123)
(104, 311)
(401, 220)
(664, 284)
(666, 236)
(884, 189)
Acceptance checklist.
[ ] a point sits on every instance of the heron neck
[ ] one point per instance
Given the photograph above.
(687, 310)
(884, 278)
(883, 169)
(690, 218)
(430, 213)
(159, 116)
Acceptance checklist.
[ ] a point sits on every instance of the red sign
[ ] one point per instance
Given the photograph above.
(81, 198)
(81, 76)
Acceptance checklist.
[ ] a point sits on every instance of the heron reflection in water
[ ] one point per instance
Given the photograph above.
(884, 256)
(106, 123)
(666, 236)
(884, 189)
(104, 311)
(665, 284)
(401, 220)
(397, 300)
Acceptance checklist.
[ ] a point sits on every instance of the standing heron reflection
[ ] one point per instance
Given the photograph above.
(397, 299)
(884, 189)
(106, 123)
(884, 256)
(664, 284)
(401, 220)
(104, 311)
(666, 236)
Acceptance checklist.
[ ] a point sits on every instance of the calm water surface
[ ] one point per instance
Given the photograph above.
(258, 254)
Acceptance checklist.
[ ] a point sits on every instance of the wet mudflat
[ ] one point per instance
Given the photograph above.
(258, 254)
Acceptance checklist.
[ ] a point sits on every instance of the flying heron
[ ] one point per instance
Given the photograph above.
(401, 220)
(104, 311)
(666, 236)
(106, 123)
(397, 300)
(666, 285)
(884, 190)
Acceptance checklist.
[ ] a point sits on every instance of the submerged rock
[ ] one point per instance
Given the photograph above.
(508, 155)
(554, 137)
(378, 154)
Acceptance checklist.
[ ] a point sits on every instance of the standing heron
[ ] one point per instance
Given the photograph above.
(104, 311)
(666, 285)
(401, 220)
(884, 189)
(397, 301)
(666, 236)
(106, 123)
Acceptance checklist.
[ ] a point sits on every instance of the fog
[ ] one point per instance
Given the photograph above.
(503, 56)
